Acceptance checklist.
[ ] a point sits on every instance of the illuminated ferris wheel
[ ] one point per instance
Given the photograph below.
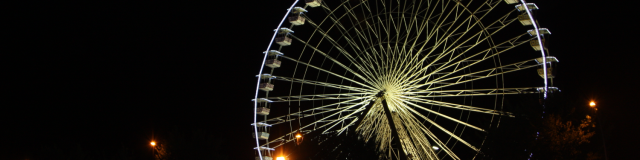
(420, 78)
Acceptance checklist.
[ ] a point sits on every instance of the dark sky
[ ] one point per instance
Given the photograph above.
(105, 75)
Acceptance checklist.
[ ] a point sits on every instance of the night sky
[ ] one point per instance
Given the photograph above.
(103, 76)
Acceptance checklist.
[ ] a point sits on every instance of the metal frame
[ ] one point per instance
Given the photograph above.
(373, 57)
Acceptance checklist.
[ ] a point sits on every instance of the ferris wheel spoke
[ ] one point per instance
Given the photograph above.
(324, 84)
(484, 8)
(345, 127)
(313, 111)
(309, 98)
(477, 76)
(314, 123)
(443, 115)
(367, 58)
(484, 73)
(344, 31)
(335, 61)
(502, 22)
(342, 119)
(438, 142)
(473, 92)
(441, 128)
(418, 128)
(368, 69)
(338, 46)
(367, 38)
(398, 51)
(443, 40)
(459, 106)
(409, 130)
(320, 69)
(481, 38)
(487, 54)
(363, 37)
(447, 80)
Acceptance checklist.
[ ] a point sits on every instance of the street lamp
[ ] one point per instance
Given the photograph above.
(280, 158)
(153, 143)
(592, 104)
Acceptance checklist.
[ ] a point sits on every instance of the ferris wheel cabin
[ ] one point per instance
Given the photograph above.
(262, 135)
(531, 6)
(283, 41)
(536, 45)
(266, 87)
(550, 60)
(264, 158)
(512, 1)
(296, 20)
(525, 20)
(273, 63)
(543, 31)
(313, 3)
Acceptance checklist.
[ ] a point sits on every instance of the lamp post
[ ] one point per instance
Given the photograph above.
(592, 104)
(153, 147)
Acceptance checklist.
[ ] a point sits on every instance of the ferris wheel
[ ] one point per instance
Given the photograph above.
(420, 78)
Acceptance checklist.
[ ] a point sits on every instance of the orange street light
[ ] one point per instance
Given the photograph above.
(280, 158)
(153, 143)
(298, 136)
(592, 104)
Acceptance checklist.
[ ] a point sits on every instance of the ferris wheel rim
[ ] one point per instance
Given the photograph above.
(355, 89)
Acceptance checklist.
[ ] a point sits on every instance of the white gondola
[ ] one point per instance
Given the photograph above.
(525, 20)
(263, 111)
(542, 31)
(261, 135)
(264, 76)
(262, 124)
(551, 89)
(273, 63)
(264, 158)
(549, 73)
(536, 45)
(314, 3)
(274, 53)
(297, 20)
(512, 1)
(298, 10)
(283, 41)
(266, 87)
(550, 59)
(531, 6)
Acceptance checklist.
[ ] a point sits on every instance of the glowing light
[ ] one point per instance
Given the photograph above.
(592, 104)
(298, 136)
(280, 158)
(153, 143)
(435, 148)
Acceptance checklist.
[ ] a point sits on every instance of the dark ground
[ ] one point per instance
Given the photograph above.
(100, 77)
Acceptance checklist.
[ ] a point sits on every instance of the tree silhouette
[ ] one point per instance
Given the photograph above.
(563, 139)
